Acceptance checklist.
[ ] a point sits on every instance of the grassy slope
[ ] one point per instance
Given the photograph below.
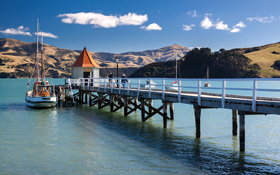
(265, 58)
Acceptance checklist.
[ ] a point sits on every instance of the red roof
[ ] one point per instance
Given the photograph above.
(85, 60)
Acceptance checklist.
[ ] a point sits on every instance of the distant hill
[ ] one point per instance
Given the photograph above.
(17, 59)
(262, 61)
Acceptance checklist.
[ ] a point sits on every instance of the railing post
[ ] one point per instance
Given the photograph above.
(128, 86)
(112, 85)
(254, 95)
(138, 87)
(179, 91)
(119, 86)
(150, 93)
(223, 93)
(163, 89)
(199, 93)
(104, 83)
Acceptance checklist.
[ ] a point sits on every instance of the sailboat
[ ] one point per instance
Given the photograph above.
(173, 85)
(42, 94)
(148, 83)
(207, 84)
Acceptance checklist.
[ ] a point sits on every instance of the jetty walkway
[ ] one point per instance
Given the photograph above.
(242, 96)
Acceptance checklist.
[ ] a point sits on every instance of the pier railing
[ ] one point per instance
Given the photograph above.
(226, 87)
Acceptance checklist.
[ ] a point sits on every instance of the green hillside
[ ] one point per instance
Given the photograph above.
(265, 57)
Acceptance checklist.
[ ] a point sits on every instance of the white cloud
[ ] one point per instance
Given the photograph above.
(237, 27)
(206, 23)
(187, 28)
(192, 13)
(19, 31)
(133, 19)
(153, 26)
(263, 19)
(235, 30)
(240, 24)
(100, 20)
(46, 34)
(221, 26)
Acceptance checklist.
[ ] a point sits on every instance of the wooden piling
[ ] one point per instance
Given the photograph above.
(90, 99)
(142, 109)
(234, 122)
(86, 97)
(58, 97)
(171, 110)
(125, 105)
(241, 130)
(197, 112)
(99, 100)
(80, 96)
(136, 101)
(164, 104)
(150, 105)
(111, 98)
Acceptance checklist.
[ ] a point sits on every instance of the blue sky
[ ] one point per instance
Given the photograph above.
(118, 26)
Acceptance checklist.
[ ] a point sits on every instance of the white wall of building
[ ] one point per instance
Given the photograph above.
(78, 72)
(95, 73)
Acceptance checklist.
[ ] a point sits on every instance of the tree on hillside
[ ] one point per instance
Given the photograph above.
(222, 64)
(195, 63)
(229, 64)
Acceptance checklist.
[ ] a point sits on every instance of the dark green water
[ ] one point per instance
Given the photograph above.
(86, 140)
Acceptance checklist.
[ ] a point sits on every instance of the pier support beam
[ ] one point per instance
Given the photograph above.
(142, 109)
(171, 110)
(234, 122)
(99, 100)
(86, 97)
(150, 106)
(111, 99)
(197, 113)
(125, 105)
(164, 104)
(241, 130)
(89, 99)
(80, 96)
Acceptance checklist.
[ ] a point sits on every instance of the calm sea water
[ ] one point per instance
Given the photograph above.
(86, 140)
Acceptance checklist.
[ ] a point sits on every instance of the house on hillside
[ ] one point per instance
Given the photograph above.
(85, 66)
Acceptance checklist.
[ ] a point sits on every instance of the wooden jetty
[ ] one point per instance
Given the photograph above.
(99, 91)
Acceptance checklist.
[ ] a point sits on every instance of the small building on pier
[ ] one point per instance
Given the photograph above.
(85, 66)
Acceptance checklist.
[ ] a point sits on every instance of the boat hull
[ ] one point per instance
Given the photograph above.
(147, 86)
(173, 86)
(40, 102)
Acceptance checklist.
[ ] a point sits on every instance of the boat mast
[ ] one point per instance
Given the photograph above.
(176, 63)
(42, 59)
(207, 73)
(37, 59)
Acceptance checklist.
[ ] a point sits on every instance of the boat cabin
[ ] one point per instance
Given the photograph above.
(85, 66)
